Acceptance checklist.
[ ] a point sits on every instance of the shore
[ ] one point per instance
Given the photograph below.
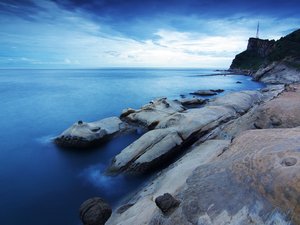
(215, 163)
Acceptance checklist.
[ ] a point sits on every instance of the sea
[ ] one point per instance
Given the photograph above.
(41, 184)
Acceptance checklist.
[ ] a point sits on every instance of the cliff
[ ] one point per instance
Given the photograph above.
(271, 61)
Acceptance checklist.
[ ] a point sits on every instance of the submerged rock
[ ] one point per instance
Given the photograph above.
(95, 211)
(82, 134)
(204, 93)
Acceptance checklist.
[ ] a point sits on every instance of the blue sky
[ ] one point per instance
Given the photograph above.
(136, 33)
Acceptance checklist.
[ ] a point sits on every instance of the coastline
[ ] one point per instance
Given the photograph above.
(155, 117)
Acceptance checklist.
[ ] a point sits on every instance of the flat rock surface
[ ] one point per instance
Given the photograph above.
(171, 180)
(256, 181)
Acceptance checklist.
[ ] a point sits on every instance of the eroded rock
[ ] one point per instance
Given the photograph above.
(82, 134)
(153, 112)
(180, 129)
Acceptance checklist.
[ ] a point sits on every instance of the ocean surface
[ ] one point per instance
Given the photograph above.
(41, 184)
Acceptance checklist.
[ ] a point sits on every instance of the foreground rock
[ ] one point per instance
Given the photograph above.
(95, 211)
(250, 184)
(171, 180)
(82, 134)
(174, 132)
(253, 181)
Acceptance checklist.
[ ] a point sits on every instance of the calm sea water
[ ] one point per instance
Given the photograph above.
(41, 184)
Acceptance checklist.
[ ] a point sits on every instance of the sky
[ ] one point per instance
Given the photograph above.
(136, 33)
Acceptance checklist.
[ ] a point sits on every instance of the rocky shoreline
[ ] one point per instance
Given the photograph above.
(227, 158)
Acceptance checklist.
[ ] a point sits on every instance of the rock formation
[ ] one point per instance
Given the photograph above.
(82, 134)
(276, 62)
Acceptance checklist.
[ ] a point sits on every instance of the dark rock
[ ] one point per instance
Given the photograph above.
(182, 96)
(290, 161)
(126, 112)
(94, 211)
(123, 208)
(217, 90)
(80, 122)
(167, 203)
(192, 101)
(204, 93)
(238, 82)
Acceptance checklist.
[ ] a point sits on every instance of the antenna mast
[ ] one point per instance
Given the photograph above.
(257, 30)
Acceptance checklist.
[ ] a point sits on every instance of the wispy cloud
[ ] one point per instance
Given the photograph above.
(127, 33)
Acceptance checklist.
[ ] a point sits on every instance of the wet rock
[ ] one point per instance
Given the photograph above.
(167, 203)
(238, 82)
(95, 211)
(82, 134)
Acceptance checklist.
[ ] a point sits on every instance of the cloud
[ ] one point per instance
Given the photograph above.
(93, 34)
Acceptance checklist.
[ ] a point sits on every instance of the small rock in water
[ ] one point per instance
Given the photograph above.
(167, 203)
(217, 90)
(95, 211)
(204, 93)
(238, 82)
(80, 122)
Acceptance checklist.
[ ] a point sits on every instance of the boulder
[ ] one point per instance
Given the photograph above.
(150, 114)
(82, 134)
(167, 203)
(95, 211)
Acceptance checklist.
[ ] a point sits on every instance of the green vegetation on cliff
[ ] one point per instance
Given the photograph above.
(260, 53)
